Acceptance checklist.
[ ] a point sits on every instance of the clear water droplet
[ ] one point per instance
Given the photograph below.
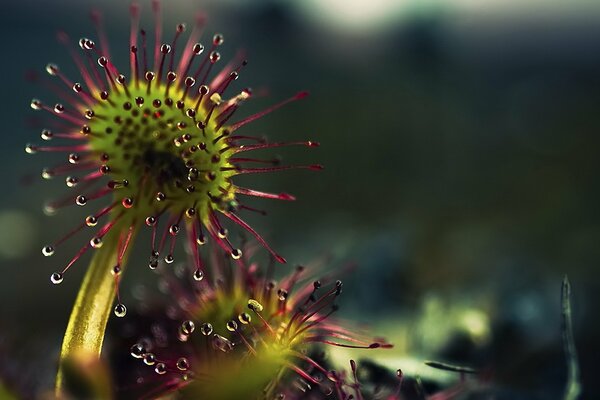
(245, 318)
(137, 350)
(198, 275)
(56, 278)
(149, 359)
(48, 250)
(255, 305)
(282, 294)
(96, 242)
(182, 364)
(120, 310)
(187, 327)
(206, 328)
(160, 369)
(236, 254)
(231, 325)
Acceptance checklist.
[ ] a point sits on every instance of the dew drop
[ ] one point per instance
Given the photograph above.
(236, 254)
(245, 318)
(137, 350)
(48, 250)
(30, 149)
(46, 134)
(59, 108)
(87, 44)
(165, 49)
(36, 104)
(77, 88)
(120, 310)
(169, 259)
(91, 220)
(282, 294)
(153, 263)
(116, 270)
(218, 39)
(189, 81)
(151, 220)
(255, 305)
(47, 173)
(127, 202)
(187, 327)
(198, 48)
(206, 328)
(56, 278)
(71, 181)
(149, 359)
(201, 240)
(160, 369)
(214, 57)
(96, 242)
(198, 275)
(182, 364)
(52, 69)
(174, 229)
(74, 158)
(231, 325)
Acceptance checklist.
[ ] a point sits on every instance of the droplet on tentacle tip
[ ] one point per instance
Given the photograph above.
(188, 327)
(149, 359)
(206, 328)
(48, 250)
(137, 350)
(198, 275)
(160, 369)
(120, 310)
(182, 364)
(255, 305)
(56, 278)
(231, 325)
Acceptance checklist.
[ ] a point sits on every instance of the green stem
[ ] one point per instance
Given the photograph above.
(93, 307)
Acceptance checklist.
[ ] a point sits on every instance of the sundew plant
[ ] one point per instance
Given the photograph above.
(157, 145)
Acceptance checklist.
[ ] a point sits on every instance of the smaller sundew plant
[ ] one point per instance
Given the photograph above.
(158, 144)
(243, 334)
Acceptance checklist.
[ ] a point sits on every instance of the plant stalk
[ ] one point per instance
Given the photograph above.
(93, 307)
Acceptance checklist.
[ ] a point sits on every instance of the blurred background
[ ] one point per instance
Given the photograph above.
(460, 140)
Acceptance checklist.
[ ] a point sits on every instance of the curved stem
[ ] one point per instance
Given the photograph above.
(87, 323)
